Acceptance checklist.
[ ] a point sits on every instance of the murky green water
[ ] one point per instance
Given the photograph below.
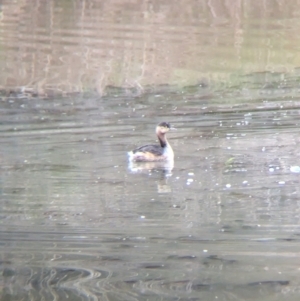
(78, 222)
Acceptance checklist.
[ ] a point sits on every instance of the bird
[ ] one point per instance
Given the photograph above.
(155, 153)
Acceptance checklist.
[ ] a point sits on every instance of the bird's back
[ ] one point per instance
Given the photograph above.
(147, 153)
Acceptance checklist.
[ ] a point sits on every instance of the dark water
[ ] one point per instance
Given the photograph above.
(78, 222)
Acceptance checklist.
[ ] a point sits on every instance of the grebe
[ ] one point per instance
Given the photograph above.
(152, 153)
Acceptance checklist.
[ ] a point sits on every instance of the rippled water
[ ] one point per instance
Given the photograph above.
(78, 222)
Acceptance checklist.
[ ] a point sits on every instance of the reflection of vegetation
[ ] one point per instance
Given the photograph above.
(86, 45)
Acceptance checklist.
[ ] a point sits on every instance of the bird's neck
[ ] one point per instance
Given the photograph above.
(162, 139)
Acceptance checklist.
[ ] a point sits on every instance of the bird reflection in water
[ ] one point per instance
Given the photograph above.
(162, 169)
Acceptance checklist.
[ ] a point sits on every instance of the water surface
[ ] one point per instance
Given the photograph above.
(82, 83)
(78, 222)
(56, 47)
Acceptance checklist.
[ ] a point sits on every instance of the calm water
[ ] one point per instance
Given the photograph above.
(78, 222)
(58, 46)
